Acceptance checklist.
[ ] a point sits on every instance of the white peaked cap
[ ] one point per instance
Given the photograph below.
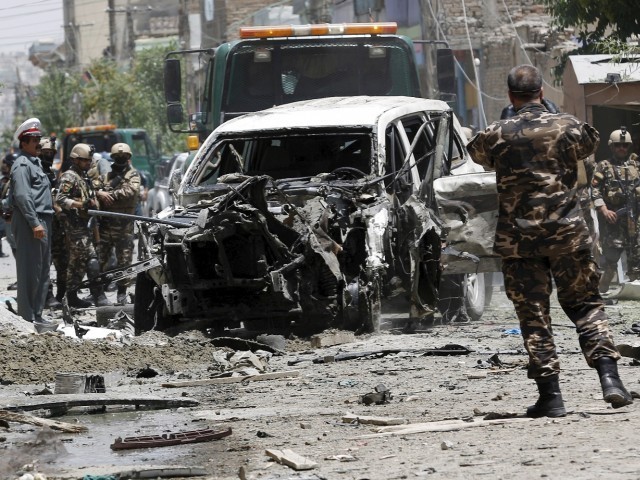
(29, 127)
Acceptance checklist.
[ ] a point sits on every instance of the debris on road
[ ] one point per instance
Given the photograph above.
(450, 349)
(368, 420)
(381, 396)
(67, 401)
(329, 339)
(41, 422)
(291, 459)
(238, 379)
(169, 439)
(441, 426)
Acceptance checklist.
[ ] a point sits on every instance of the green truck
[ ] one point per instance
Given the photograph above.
(144, 153)
(271, 66)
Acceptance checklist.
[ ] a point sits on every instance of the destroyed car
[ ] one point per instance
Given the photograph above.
(321, 213)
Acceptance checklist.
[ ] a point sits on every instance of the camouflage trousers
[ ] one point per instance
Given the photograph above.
(82, 253)
(615, 238)
(118, 236)
(59, 252)
(528, 284)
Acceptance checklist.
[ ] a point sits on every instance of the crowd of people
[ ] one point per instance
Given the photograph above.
(45, 219)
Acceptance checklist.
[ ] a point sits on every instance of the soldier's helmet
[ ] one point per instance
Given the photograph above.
(82, 150)
(620, 136)
(120, 152)
(48, 143)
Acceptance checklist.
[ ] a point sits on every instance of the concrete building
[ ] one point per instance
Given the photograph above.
(18, 76)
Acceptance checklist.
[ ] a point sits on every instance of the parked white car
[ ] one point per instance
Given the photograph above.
(321, 213)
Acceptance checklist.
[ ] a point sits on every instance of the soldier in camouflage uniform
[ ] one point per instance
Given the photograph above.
(58, 251)
(118, 191)
(615, 189)
(76, 196)
(542, 236)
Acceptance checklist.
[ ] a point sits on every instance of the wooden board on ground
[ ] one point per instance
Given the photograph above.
(368, 420)
(445, 426)
(291, 459)
(239, 379)
(329, 339)
(41, 422)
(66, 401)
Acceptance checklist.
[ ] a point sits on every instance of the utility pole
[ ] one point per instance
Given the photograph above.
(429, 10)
(70, 30)
(112, 28)
(130, 31)
(131, 37)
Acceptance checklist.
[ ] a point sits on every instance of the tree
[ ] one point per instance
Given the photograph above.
(57, 102)
(106, 93)
(597, 19)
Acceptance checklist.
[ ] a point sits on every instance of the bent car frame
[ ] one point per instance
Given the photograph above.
(321, 213)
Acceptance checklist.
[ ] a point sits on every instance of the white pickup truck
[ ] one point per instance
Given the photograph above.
(321, 213)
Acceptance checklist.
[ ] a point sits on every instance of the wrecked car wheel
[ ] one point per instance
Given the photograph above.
(363, 308)
(370, 306)
(148, 309)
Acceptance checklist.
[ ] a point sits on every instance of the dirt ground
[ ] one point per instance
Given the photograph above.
(304, 413)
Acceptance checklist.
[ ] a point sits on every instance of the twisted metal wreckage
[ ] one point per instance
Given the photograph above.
(265, 253)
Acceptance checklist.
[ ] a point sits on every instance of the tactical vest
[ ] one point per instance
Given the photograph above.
(619, 181)
(121, 205)
(78, 189)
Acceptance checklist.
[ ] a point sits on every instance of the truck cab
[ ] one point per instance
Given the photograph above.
(271, 66)
(103, 137)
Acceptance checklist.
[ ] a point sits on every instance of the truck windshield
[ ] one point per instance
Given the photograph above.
(268, 73)
(289, 156)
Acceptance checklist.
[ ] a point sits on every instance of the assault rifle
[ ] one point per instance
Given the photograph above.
(186, 223)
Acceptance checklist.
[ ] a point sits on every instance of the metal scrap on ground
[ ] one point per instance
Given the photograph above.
(66, 401)
(169, 439)
(238, 379)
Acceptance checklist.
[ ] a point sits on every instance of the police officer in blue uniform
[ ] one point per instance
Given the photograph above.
(31, 222)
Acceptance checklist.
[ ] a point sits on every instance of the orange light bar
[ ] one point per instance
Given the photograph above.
(314, 30)
(93, 128)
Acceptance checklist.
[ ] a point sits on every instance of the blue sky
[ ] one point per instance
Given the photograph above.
(23, 22)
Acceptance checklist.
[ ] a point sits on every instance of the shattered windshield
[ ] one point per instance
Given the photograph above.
(287, 155)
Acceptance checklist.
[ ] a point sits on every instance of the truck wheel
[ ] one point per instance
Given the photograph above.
(148, 308)
(461, 297)
(474, 295)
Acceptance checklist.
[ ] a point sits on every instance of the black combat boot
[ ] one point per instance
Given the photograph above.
(52, 302)
(550, 402)
(62, 289)
(97, 293)
(99, 298)
(613, 390)
(75, 302)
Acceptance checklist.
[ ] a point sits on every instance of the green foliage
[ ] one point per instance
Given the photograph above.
(58, 102)
(594, 19)
(107, 93)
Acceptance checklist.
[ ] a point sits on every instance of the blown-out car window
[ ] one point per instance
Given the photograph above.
(290, 156)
